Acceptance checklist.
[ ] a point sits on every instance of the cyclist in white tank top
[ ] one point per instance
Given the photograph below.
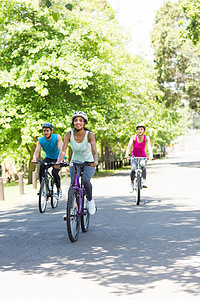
(81, 151)
(83, 145)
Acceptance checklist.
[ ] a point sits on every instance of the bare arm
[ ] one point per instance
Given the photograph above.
(91, 140)
(59, 142)
(128, 149)
(36, 153)
(149, 148)
(64, 148)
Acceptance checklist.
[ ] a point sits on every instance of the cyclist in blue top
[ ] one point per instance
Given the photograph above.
(52, 145)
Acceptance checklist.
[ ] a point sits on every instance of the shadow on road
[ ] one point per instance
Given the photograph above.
(127, 246)
(192, 164)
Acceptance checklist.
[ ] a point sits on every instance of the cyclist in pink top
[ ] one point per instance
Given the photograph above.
(138, 143)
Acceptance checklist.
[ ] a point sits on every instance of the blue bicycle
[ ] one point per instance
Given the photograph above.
(47, 189)
(77, 214)
(138, 182)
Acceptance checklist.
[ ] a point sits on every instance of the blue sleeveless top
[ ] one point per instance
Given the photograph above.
(50, 147)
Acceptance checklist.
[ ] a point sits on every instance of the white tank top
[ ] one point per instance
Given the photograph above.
(81, 151)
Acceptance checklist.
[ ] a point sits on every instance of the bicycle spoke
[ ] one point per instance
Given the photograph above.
(73, 219)
(85, 218)
(54, 197)
(138, 189)
(43, 196)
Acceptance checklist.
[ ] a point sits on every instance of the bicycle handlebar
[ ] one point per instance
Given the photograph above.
(65, 164)
(140, 157)
(49, 164)
(36, 162)
(85, 163)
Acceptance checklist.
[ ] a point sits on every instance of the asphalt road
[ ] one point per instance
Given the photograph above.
(130, 252)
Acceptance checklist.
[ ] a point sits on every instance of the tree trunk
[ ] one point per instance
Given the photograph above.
(31, 166)
(102, 151)
(109, 158)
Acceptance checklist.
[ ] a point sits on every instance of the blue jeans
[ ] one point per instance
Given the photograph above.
(133, 168)
(88, 173)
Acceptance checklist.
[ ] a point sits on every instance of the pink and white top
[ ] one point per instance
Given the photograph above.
(139, 148)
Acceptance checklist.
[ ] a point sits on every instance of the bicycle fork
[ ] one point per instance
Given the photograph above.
(46, 182)
(138, 176)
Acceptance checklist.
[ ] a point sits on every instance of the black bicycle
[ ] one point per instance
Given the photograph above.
(138, 182)
(77, 214)
(47, 189)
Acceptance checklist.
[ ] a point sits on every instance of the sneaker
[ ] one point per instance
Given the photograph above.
(131, 188)
(65, 217)
(91, 207)
(59, 194)
(144, 185)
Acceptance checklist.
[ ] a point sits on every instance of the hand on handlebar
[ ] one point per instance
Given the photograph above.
(93, 164)
(57, 166)
(36, 161)
(60, 165)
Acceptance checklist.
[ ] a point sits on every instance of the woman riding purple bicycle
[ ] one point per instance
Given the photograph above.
(83, 145)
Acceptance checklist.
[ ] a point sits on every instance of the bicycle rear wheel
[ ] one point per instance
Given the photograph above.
(43, 195)
(54, 197)
(73, 219)
(138, 187)
(85, 218)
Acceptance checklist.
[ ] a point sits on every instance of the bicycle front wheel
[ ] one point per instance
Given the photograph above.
(73, 219)
(54, 197)
(43, 196)
(85, 218)
(138, 187)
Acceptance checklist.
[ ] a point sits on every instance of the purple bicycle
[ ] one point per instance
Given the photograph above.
(76, 211)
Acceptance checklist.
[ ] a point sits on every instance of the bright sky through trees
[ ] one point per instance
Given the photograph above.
(138, 18)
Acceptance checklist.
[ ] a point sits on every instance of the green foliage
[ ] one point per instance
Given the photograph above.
(170, 60)
(57, 57)
(191, 9)
(177, 59)
(50, 69)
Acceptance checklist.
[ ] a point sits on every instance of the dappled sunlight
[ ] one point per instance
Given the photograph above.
(129, 250)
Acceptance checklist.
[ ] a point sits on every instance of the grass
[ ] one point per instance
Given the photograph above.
(11, 189)
(12, 183)
(105, 173)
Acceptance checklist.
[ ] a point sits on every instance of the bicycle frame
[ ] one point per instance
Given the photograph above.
(80, 189)
(47, 174)
(47, 183)
(76, 215)
(138, 170)
(138, 165)
(138, 177)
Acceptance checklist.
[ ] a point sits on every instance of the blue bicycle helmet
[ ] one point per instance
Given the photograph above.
(47, 125)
